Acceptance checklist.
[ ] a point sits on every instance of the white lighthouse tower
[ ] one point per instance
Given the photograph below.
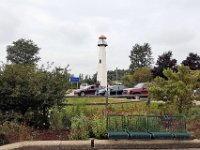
(101, 71)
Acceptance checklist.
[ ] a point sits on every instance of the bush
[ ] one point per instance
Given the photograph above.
(37, 120)
(98, 126)
(56, 119)
(15, 132)
(193, 121)
(177, 90)
(79, 128)
(3, 139)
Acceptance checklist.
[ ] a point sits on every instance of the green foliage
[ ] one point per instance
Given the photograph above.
(126, 80)
(88, 79)
(23, 52)
(139, 75)
(192, 61)
(116, 75)
(141, 56)
(18, 86)
(193, 121)
(25, 88)
(14, 130)
(164, 61)
(79, 128)
(36, 119)
(177, 90)
(98, 125)
(3, 139)
(56, 119)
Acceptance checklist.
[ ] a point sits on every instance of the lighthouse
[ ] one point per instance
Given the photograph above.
(101, 71)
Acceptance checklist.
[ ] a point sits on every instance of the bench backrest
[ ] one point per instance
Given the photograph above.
(157, 124)
(136, 123)
(144, 123)
(177, 124)
(116, 123)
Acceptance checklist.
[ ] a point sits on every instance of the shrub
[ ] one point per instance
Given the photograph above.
(98, 125)
(193, 121)
(3, 139)
(15, 132)
(177, 90)
(79, 128)
(56, 119)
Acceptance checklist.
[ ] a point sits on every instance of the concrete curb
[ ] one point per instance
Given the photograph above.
(148, 144)
(102, 144)
(47, 145)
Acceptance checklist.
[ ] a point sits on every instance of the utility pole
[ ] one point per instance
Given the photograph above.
(116, 74)
(116, 79)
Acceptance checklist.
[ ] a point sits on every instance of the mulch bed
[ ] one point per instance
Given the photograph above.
(39, 135)
(51, 135)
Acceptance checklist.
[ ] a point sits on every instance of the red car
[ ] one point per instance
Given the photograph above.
(138, 91)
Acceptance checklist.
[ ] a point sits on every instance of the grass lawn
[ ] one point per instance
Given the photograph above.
(83, 100)
(131, 107)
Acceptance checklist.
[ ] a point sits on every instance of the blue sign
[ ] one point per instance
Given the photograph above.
(74, 79)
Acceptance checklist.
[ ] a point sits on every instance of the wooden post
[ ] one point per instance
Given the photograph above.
(106, 97)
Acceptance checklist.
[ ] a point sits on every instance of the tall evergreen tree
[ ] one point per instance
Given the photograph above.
(141, 56)
(192, 61)
(23, 52)
(164, 61)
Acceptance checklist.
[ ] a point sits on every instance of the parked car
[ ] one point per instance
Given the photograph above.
(87, 90)
(138, 91)
(113, 90)
(83, 85)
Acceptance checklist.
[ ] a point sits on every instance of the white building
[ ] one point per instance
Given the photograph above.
(102, 71)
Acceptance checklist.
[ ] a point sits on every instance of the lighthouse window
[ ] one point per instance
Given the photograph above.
(100, 61)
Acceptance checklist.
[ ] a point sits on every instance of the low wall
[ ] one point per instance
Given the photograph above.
(102, 144)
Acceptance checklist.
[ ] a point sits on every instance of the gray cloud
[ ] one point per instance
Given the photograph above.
(67, 31)
(8, 25)
(173, 36)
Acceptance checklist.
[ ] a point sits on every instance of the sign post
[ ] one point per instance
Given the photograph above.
(75, 80)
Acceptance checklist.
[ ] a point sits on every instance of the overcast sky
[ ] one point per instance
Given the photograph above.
(67, 31)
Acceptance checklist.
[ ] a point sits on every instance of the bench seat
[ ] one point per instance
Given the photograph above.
(118, 135)
(181, 135)
(162, 135)
(139, 135)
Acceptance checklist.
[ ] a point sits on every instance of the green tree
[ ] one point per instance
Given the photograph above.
(141, 56)
(126, 80)
(116, 75)
(25, 89)
(139, 75)
(90, 80)
(193, 61)
(164, 61)
(177, 89)
(23, 52)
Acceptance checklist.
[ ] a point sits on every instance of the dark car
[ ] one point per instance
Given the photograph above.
(138, 91)
(88, 90)
(113, 90)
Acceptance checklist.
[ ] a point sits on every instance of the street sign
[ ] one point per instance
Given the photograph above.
(74, 79)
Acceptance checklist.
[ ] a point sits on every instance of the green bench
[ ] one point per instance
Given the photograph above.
(158, 127)
(137, 127)
(146, 127)
(116, 127)
(178, 127)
